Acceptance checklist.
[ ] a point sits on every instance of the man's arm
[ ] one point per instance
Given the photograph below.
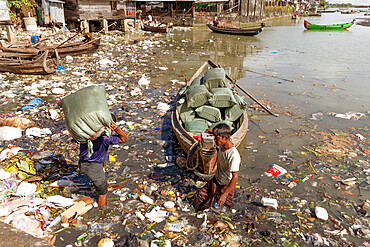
(122, 135)
(229, 188)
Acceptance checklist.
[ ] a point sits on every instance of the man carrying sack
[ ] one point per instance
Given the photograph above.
(89, 121)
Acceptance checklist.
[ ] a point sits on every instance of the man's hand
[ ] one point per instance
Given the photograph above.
(222, 199)
(113, 126)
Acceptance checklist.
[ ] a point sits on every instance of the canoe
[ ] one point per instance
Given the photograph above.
(311, 26)
(164, 29)
(238, 31)
(349, 12)
(194, 149)
(73, 48)
(41, 64)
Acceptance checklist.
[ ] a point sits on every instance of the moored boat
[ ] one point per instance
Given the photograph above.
(201, 153)
(343, 26)
(251, 31)
(73, 48)
(157, 29)
(41, 64)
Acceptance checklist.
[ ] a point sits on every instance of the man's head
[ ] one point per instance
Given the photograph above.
(222, 133)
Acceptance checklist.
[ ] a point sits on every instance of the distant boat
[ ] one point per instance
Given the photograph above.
(349, 12)
(310, 26)
(239, 31)
(158, 29)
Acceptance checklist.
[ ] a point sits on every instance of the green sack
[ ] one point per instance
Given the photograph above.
(197, 96)
(87, 114)
(196, 82)
(215, 78)
(231, 125)
(186, 113)
(209, 113)
(196, 126)
(234, 112)
(222, 97)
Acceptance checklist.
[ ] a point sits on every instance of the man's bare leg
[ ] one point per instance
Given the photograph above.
(102, 200)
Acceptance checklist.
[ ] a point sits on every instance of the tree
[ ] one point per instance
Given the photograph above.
(17, 4)
(323, 3)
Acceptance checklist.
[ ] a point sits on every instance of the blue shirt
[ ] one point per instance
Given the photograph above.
(100, 148)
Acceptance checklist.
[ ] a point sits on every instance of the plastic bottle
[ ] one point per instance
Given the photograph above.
(146, 199)
(269, 202)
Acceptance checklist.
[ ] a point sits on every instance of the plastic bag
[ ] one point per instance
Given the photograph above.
(129, 240)
(10, 133)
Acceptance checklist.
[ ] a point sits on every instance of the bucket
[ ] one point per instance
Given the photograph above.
(30, 23)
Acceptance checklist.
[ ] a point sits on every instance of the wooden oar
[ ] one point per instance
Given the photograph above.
(274, 76)
(69, 38)
(199, 71)
(244, 91)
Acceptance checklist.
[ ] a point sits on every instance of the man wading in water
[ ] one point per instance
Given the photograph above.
(221, 188)
(93, 167)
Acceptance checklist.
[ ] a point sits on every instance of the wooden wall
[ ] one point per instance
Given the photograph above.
(93, 10)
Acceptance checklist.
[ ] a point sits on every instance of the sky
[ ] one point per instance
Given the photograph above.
(354, 2)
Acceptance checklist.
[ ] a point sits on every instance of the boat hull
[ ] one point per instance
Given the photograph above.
(189, 144)
(236, 31)
(157, 29)
(40, 65)
(311, 26)
(74, 48)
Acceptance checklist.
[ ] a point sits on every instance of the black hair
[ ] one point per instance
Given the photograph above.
(222, 130)
(113, 117)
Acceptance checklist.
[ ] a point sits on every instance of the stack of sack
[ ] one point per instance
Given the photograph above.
(208, 101)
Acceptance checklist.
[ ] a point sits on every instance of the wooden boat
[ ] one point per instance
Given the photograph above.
(238, 31)
(29, 64)
(310, 26)
(314, 14)
(73, 48)
(200, 159)
(164, 29)
(349, 12)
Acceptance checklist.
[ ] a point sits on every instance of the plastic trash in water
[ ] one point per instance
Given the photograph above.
(59, 69)
(321, 213)
(33, 103)
(275, 171)
(143, 82)
(34, 38)
(174, 227)
(269, 202)
(146, 199)
(9, 152)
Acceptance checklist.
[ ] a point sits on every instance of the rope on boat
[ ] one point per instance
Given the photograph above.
(190, 161)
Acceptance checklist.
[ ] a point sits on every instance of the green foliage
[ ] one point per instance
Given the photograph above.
(13, 16)
(17, 4)
(322, 3)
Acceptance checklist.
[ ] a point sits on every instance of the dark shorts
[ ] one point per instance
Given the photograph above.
(95, 172)
(210, 193)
